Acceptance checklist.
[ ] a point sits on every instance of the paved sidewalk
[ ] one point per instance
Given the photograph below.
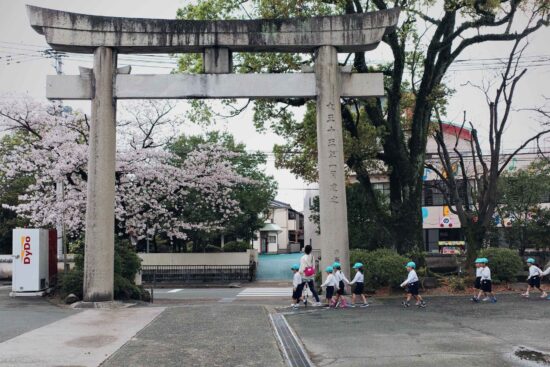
(22, 314)
(84, 339)
(451, 331)
(207, 335)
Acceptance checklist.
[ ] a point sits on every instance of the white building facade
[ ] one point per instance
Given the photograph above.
(283, 231)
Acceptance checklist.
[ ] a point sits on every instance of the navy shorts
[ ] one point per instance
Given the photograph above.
(359, 287)
(412, 288)
(330, 292)
(298, 292)
(477, 284)
(486, 285)
(534, 281)
(341, 287)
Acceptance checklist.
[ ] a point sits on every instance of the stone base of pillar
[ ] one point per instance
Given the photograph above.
(108, 305)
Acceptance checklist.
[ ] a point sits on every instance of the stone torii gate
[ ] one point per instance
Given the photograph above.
(106, 37)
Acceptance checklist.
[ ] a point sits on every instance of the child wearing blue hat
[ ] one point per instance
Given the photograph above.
(477, 283)
(330, 283)
(412, 287)
(297, 286)
(359, 281)
(533, 280)
(486, 282)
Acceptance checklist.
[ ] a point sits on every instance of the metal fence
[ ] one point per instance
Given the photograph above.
(155, 274)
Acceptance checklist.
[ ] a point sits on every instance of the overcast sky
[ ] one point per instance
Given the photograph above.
(20, 41)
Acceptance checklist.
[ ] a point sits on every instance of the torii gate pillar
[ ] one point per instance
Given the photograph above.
(100, 204)
(330, 148)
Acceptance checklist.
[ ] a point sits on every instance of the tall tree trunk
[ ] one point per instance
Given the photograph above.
(475, 235)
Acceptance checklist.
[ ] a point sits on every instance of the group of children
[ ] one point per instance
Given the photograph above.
(483, 283)
(336, 281)
(335, 284)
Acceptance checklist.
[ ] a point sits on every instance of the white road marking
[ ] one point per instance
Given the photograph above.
(174, 290)
(266, 292)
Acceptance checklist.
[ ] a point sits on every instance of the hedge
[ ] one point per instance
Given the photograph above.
(383, 267)
(505, 264)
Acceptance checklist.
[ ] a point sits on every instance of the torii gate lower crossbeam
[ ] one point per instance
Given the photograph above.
(107, 36)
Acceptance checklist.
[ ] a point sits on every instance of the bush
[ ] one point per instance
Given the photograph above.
(383, 267)
(455, 284)
(236, 246)
(127, 264)
(419, 257)
(71, 282)
(505, 263)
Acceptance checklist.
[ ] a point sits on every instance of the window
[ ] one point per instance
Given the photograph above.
(451, 234)
(431, 238)
(272, 239)
(291, 215)
(435, 193)
(382, 187)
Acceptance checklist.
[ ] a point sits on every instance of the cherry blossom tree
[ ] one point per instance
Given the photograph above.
(154, 188)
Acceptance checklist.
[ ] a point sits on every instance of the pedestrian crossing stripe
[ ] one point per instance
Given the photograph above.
(174, 290)
(266, 292)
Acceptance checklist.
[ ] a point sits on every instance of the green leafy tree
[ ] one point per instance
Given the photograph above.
(253, 199)
(10, 190)
(363, 231)
(423, 46)
(521, 193)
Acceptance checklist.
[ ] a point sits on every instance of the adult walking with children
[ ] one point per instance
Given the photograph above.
(308, 271)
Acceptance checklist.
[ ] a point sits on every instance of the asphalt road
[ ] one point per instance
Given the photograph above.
(451, 331)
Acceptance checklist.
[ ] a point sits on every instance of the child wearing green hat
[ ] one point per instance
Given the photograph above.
(340, 300)
(297, 286)
(477, 283)
(359, 281)
(412, 287)
(486, 282)
(533, 280)
(330, 283)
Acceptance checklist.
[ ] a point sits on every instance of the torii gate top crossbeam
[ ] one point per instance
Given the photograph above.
(72, 32)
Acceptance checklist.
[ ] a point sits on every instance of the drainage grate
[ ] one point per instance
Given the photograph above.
(292, 348)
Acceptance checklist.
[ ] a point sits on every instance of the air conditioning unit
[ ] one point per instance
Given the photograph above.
(34, 261)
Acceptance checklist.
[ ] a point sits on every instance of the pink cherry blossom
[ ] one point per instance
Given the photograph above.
(155, 190)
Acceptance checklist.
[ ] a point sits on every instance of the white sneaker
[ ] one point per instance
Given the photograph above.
(317, 304)
(526, 295)
(544, 295)
(486, 299)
